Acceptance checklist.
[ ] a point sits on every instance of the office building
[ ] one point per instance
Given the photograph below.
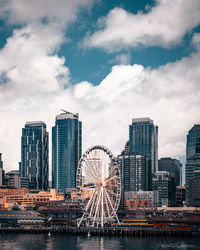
(173, 166)
(151, 196)
(143, 139)
(192, 163)
(14, 180)
(1, 171)
(164, 183)
(193, 141)
(66, 150)
(31, 199)
(135, 172)
(35, 155)
(180, 196)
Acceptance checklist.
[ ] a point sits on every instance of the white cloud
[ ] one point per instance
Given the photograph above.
(32, 75)
(23, 11)
(32, 88)
(123, 58)
(164, 24)
(169, 95)
(28, 63)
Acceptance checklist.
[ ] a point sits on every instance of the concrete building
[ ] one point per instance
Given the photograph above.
(14, 180)
(66, 150)
(35, 155)
(151, 196)
(30, 199)
(164, 183)
(143, 139)
(173, 166)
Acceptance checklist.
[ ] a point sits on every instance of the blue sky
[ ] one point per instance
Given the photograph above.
(111, 61)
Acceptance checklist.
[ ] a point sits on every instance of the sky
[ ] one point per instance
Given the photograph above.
(111, 61)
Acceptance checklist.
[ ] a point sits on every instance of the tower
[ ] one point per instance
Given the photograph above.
(192, 167)
(173, 166)
(66, 150)
(143, 139)
(35, 155)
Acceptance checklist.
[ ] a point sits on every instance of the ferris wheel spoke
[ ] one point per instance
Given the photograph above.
(112, 178)
(90, 169)
(111, 205)
(96, 163)
(89, 202)
(93, 204)
(111, 192)
(88, 195)
(112, 169)
(97, 208)
(89, 173)
(102, 208)
(106, 202)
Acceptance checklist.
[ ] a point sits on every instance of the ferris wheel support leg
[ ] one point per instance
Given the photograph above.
(112, 207)
(79, 223)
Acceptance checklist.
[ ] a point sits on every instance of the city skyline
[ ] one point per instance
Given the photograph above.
(146, 68)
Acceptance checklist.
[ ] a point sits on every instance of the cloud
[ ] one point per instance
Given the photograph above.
(32, 75)
(29, 65)
(35, 85)
(196, 40)
(169, 95)
(23, 11)
(123, 58)
(165, 24)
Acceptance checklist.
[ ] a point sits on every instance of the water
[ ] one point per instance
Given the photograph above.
(61, 242)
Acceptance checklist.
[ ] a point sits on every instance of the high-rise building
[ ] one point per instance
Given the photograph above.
(192, 163)
(193, 141)
(35, 155)
(143, 139)
(135, 172)
(164, 183)
(1, 171)
(66, 150)
(173, 166)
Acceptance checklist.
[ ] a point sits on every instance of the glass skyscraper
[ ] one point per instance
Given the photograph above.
(192, 163)
(173, 166)
(66, 150)
(143, 139)
(35, 155)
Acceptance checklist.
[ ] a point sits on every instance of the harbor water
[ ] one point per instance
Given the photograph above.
(69, 242)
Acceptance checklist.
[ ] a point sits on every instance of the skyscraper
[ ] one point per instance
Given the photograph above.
(1, 171)
(173, 166)
(35, 154)
(66, 150)
(164, 183)
(135, 169)
(192, 163)
(193, 141)
(143, 139)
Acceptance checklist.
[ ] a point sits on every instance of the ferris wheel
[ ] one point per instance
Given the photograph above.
(98, 183)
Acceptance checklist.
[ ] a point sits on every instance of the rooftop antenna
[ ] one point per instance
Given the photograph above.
(65, 111)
